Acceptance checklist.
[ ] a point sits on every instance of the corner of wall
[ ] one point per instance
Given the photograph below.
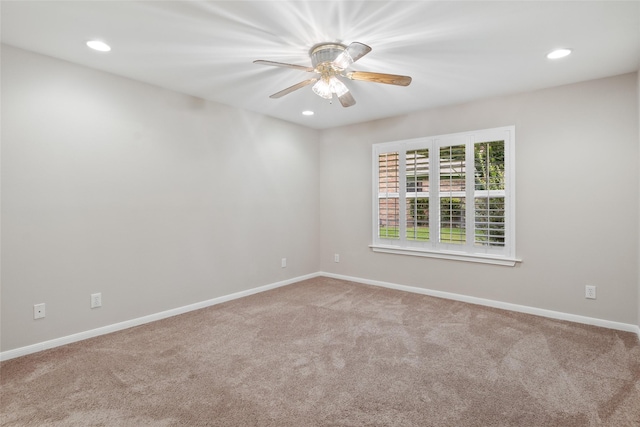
(638, 125)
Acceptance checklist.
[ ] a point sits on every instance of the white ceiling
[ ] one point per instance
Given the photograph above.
(454, 51)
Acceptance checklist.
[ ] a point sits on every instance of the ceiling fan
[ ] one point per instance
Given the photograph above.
(330, 61)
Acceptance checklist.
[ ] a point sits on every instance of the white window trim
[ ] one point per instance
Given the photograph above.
(442, 254)
(469, 252)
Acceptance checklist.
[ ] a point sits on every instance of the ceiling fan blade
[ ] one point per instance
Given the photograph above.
(292, 88)
(282, 64)
(357, 50)
(347, 100)
(351, 54)
(390, 79)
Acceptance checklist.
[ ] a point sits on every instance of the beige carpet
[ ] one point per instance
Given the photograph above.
(325, 352)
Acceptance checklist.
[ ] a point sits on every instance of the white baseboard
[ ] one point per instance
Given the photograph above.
(23, 351)
(627, 327)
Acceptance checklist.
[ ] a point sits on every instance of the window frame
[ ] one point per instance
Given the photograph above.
(469, 251)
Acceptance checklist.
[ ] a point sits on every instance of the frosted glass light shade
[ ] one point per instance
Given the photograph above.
(323, 89)
(337, 86)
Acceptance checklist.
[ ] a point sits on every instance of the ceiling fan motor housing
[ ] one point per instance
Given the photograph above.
(325, 53)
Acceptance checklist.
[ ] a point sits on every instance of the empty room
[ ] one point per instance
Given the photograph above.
(320, 213)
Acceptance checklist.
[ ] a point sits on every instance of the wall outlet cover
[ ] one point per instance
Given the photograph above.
(96, 300)
(39, 311)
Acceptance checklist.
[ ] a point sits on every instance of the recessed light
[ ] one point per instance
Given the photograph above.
(308, 113)
(559, 53)
(98, 45)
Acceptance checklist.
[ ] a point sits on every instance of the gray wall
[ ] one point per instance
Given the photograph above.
(156, 199)
(159, 200)
(577, 200)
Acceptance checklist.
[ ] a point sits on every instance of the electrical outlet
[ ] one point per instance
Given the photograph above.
(96, 300)
(284, 262)
(336, 258)
(38, 311)
(590, 292)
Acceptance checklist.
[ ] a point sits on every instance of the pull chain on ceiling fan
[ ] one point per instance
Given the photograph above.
(330, 61)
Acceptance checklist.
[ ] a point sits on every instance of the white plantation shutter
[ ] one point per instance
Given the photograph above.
(489, 194)
(450, 196)
(388, 195)
(417, 194)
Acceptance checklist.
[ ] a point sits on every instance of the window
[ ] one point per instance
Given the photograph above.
(449, 196)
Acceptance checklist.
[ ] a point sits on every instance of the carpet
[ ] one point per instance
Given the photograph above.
(326, 352)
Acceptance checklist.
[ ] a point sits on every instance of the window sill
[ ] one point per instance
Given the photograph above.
(456, 256)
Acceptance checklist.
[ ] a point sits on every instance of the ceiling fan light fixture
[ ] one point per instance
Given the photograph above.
(329, 61)
(337, 86)
(323, 89)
